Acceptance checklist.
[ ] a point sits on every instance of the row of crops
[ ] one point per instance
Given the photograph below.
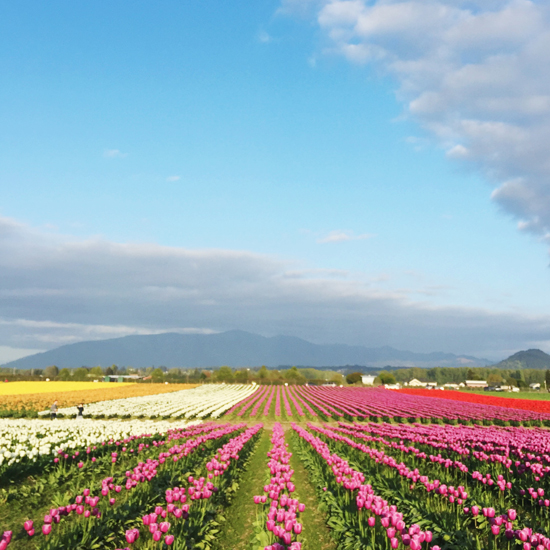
(329, 403)
(305, 403)
(208, 401)
(390, 471)
(384, 485)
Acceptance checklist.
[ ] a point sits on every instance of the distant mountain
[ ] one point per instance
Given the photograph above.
(530, 359)
(234, 348)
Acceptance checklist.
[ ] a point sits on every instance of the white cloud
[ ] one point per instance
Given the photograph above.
(341, 236)
(473, 73)
(173, 178)
(57, 289)
(264, 37)
(114, 153)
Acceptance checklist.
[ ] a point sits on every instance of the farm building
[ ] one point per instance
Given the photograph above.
(476, 383)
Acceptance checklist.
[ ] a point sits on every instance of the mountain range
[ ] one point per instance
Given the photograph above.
(529, 359)
(234, 348)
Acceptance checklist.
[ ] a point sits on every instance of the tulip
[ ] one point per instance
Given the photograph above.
(46, 529)
(169, 539)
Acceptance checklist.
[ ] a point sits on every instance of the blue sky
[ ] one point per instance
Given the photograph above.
(322, 141)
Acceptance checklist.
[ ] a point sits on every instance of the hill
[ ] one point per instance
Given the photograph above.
(530, 359)
(234, 348)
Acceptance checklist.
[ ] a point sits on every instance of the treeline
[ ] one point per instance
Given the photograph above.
(260, 375)
(456, 375)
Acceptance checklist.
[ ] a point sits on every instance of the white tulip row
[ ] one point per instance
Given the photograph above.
(30, 439)
(210, 400)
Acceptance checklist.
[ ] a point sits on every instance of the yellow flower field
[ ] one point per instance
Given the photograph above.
(22, 388)
(40, 395)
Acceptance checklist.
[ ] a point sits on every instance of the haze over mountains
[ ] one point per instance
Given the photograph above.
(234, 348)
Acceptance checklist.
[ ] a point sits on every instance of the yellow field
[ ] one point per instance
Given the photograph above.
(23, 388)
(40, 395)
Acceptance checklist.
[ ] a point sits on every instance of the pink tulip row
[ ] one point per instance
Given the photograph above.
(367, 501)
(278, 401)
(87, 506)
(367, 402)
(501, 443)
(495, 524)
(286, 403)
(294, 400)
(257, 399)
(364, 403)
(201, 489)
(530, 539)
(282, 519)
(126, 443)
(450, 493)
(260, 401)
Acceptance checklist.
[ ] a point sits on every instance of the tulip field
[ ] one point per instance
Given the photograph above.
(384, 470)
(40, 395)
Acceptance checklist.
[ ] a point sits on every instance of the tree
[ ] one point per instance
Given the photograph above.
(263, 373)
(241, 376)
(225, 374)
(294, 376)
(64, 374)
(547, 378)
(472, 375)
(96, 371)
(195, 375)
(274, 374)
(386, 377)
(80, 374)
(51, 372)
(354, 377)
(157, 376)
(337, 378)
(494, 379)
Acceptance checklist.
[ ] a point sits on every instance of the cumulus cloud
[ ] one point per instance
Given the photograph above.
(173, 178)
(339, 236)
(472, 72)
(57, 289)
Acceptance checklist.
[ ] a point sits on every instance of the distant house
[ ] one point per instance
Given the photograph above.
(534, 386)
(121, 378)
(368, 379)
(392, 386)
(452, 386)
(416, 383)
(476, 383)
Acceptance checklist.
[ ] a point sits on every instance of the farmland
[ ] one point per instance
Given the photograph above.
(38, 396)
(278, 467)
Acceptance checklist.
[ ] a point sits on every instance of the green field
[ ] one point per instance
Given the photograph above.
(542, 396)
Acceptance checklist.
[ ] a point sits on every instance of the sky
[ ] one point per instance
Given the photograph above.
(373, 173)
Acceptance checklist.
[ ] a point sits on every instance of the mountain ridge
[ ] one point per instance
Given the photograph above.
(234, 348)
(527, 359)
